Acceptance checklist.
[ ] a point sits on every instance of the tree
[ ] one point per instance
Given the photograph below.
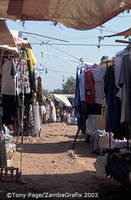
(69, 86)
(58, 91)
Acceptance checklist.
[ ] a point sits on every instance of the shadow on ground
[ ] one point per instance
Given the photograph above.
(81, 148)
(82, 183)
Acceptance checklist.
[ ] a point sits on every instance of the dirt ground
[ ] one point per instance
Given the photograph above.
(50, 167)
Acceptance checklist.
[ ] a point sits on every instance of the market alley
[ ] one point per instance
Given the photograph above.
(50, 165)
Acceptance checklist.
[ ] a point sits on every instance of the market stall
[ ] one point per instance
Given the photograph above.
(19, 109)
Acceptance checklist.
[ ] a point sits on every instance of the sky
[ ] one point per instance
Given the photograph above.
(56, 58)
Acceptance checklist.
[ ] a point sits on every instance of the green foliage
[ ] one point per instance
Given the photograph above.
(67, 88)
(57, 91)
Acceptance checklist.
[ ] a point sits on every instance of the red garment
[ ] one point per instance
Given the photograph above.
(89, 87)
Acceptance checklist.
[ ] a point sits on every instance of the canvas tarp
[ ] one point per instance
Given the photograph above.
(63, 99)
(11, 38)
(5, 35)
(8, 48)
(3, 10)
(77, 14)
(19, 42)
(123, 33)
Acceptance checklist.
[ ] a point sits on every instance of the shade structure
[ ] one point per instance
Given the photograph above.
(123, 33)
(11, 38)
(9, 48)
(63, 99)
(77, 14)
(6, 37)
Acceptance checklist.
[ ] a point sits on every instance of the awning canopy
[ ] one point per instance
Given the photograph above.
(5, 35)
(77, 14)
(8, 48)
(124, 33)
(11, 38)
(4, 8)
(63, 99)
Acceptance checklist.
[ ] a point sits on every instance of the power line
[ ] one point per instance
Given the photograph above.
(56, 48)
(48, 53)
(64, 52)
(105, 30)
(90, 45)
(39, 69)
(43, 36)
(59, 72)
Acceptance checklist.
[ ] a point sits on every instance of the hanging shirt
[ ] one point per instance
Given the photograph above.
(125, 84)
(77, 93)
(99, 74)
(82, 86)
(112, 108)
(8, 82)
(118, 63)
(89, 87)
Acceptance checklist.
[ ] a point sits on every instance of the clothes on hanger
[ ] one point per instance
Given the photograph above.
(125, 84)
(8, 82)
(118, 95)
(88, 101)
(99, 74)
(82, 86)
(89, 87)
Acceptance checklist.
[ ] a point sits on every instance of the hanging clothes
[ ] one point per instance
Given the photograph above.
(31, 77)
(77, 93)
(36, 117)
(118, 63)
(9, 104)
(98, 75)
(110, 92)
(31, 61)
(89, 87)
(82, 86)
(39, 91)
(85, 97)
(125, 84)
(113, 112)
(8, 82)
(23, 77)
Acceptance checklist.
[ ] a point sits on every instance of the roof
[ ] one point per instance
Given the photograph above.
(77, 14)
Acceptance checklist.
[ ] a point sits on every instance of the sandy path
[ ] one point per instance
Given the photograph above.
(50, 165)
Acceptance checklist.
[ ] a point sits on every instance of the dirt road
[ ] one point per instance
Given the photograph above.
(50, 166)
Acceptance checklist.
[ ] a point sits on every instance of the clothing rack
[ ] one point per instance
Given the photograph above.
(82, 67)
(110, 63)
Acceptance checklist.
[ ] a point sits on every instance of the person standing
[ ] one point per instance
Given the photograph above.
(52, 116)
